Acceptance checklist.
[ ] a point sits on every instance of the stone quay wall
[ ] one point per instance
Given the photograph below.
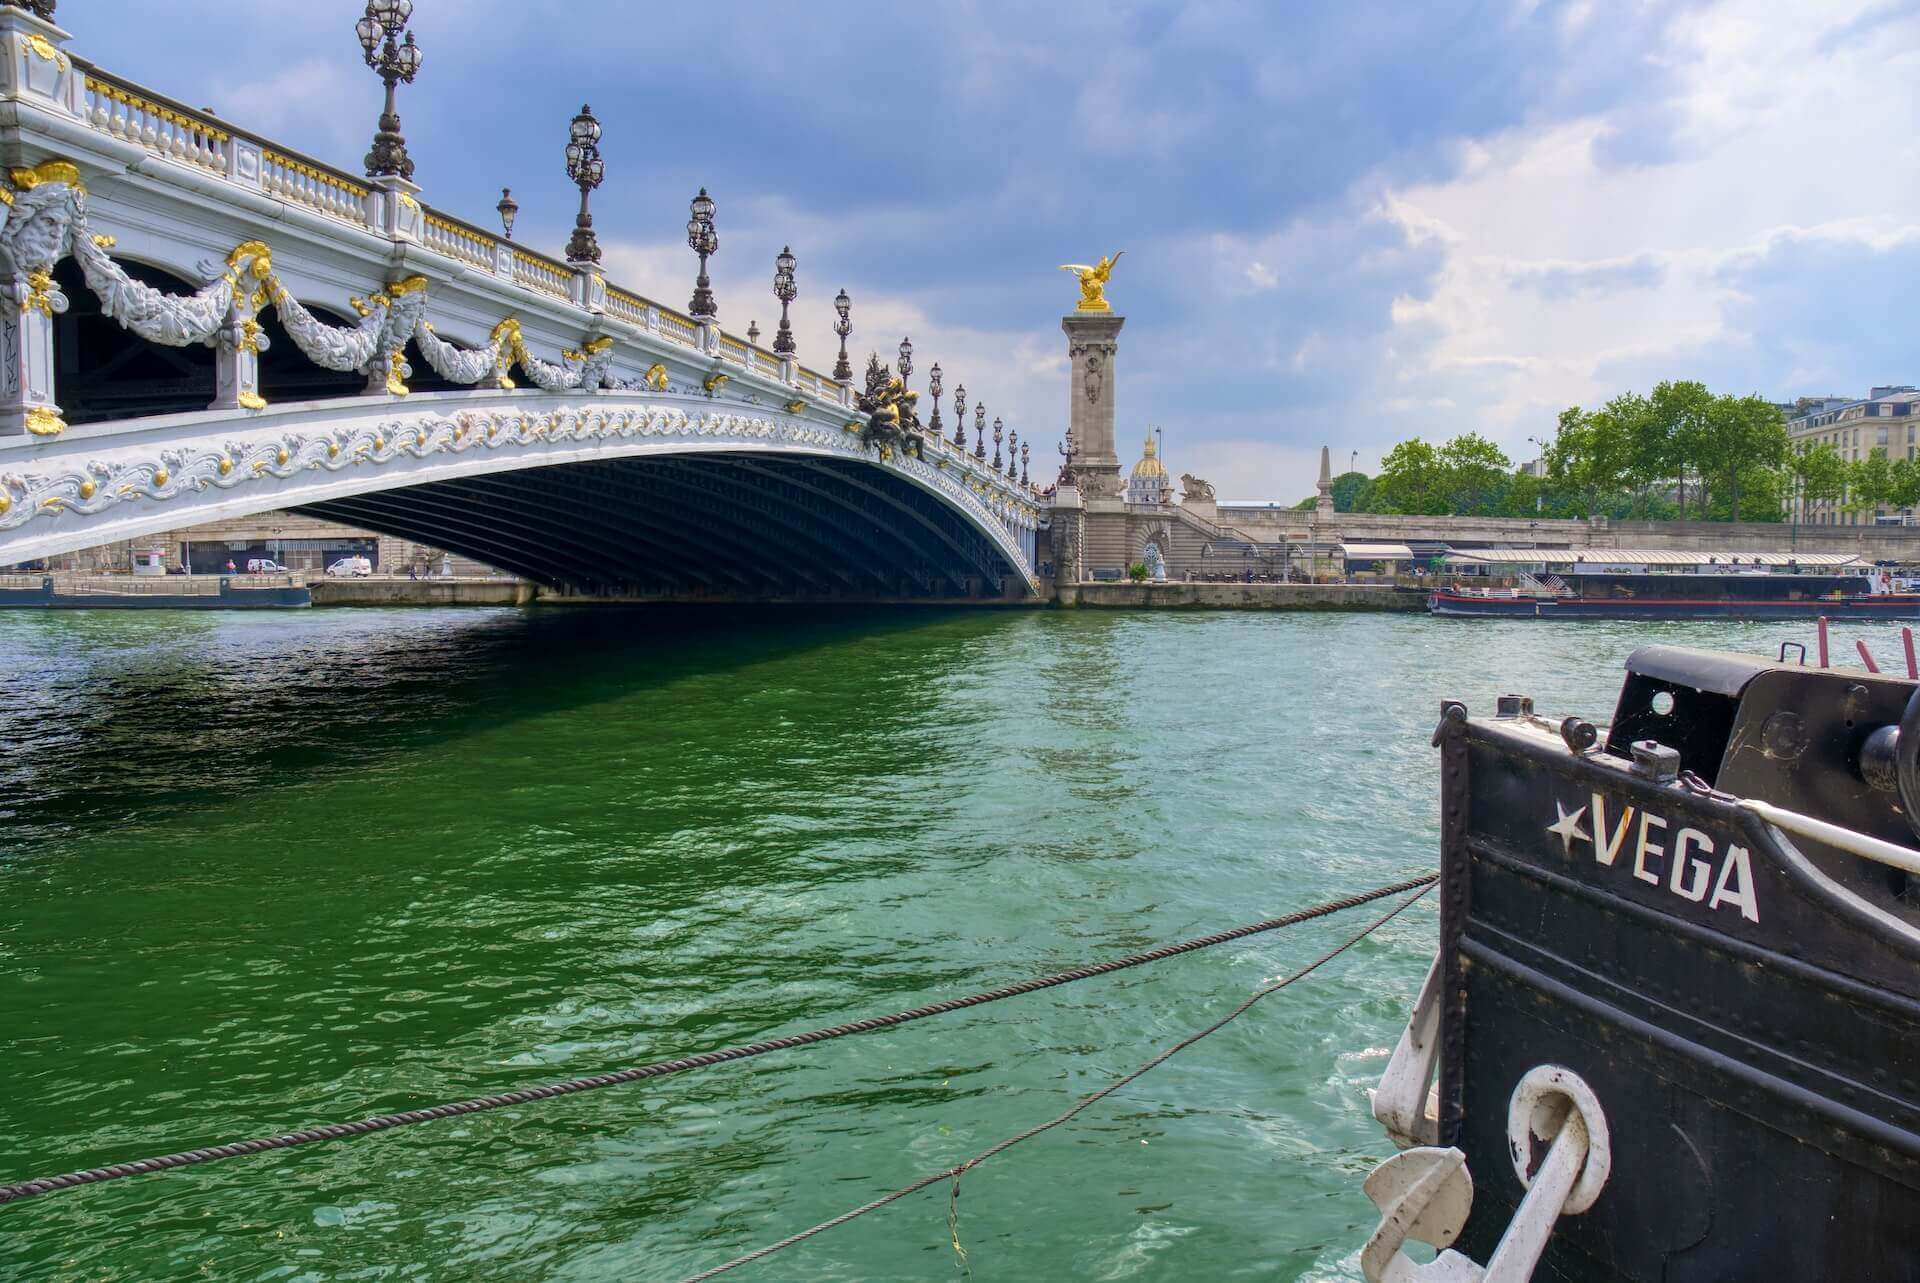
(374, 591)
(1875, 543)
(1199, 596)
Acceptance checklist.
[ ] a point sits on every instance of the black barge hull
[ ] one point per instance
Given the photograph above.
(1745, 1006)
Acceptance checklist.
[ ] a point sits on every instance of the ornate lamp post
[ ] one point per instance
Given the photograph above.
(960, 416)
(980, 430)
(996, 443)
(1023, 464)
(784, 289)
(753, 332)
(933, 390)
(1013, 445)
(702, 240)
(509, 210)
(906, 360)
(395, 60)
(585, 168)
(843, 369)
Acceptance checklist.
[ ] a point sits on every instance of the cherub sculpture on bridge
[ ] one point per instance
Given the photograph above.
(892, 422)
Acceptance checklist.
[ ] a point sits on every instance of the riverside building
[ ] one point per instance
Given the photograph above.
(1885, 419)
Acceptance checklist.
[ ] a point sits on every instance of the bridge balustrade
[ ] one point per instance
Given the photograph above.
(121, 191)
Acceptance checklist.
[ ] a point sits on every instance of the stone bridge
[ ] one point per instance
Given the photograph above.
(200, 324)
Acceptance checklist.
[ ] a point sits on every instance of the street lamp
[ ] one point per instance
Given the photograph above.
(980, 429)
(702, 240)
(906, 360)
(1024, 447)
(585, 168)
(395, 60)
(960, 416)
(1013, 445)
(786, 290)
(509, 210)
(933, 390)
(843, 369)
(996, 443)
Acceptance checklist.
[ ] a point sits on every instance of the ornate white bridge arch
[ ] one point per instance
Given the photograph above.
(652, 451)
(609, 490)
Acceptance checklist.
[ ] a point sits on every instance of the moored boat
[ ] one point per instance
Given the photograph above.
(1673, 1025)
(1659, 584)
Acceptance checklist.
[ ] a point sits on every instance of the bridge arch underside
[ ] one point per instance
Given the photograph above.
(748, 526)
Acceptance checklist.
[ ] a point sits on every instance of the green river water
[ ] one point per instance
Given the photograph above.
(259, 871)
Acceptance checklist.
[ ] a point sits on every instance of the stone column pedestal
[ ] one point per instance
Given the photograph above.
(1091, 346)
(1067, 536)
(26, 366)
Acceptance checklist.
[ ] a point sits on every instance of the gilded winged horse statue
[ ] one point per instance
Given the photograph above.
(1093, 283)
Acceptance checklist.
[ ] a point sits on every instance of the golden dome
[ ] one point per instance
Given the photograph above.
(1150, 465)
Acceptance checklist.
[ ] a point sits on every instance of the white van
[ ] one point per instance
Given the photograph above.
(351, 568)
(264, 566)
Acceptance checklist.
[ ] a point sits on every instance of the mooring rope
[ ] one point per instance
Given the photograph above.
(661, 1068)
(955, 1172)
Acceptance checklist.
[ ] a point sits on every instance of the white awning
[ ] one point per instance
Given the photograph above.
(1376, 552)
(1576, 557)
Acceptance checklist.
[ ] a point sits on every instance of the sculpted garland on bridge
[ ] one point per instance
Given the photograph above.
(46, 219)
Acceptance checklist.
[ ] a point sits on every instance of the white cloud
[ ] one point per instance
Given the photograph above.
(1019, 374)
(1575, 247)
(303, 102)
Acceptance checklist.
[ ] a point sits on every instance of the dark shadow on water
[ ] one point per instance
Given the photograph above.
(116, 716)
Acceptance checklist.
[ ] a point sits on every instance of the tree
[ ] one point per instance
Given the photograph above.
(1820, 471)
(1350, 491)
(1746, 438)
(1905, 492)
(1637, 452)
(1474, 474)
(1411, 480)
(1678, 437)
(1590, 454)
(1871, 480)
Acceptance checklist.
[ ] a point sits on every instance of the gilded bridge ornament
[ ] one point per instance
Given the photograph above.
(43, 218)
(891, 418)
(1093, 283)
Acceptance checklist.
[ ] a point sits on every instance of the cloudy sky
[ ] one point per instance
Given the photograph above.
(1346, 221)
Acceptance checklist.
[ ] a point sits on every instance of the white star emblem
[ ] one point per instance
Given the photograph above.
(1568, 829)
